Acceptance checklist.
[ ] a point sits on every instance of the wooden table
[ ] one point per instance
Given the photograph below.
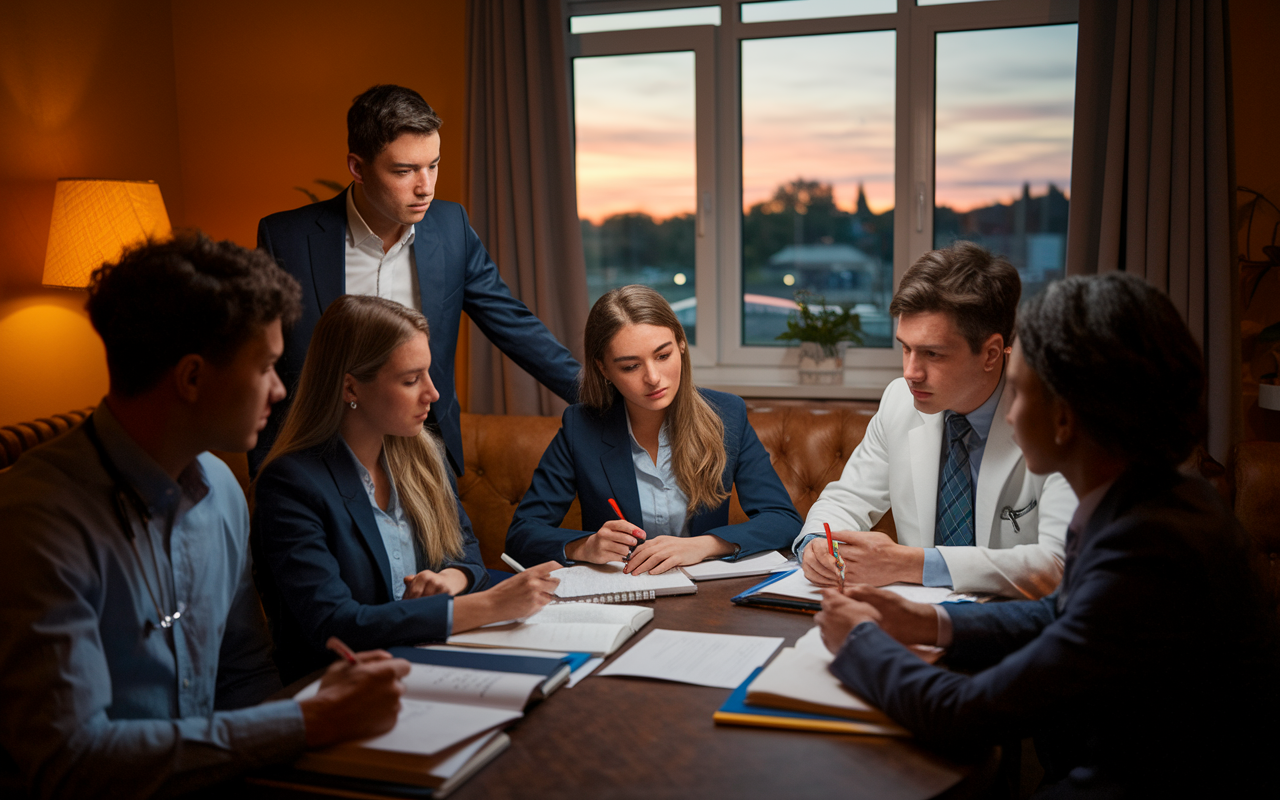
(631, 737)
(636, 738)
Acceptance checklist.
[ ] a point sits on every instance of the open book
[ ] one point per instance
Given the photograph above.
(797, 691)
(607, 583)
(564, 627)
(444, 711)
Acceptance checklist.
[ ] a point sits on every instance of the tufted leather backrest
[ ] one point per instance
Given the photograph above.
(808, 445)
(17, 439)
(501, 453)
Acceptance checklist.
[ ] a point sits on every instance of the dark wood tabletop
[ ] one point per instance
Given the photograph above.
(630, 737)
(623, 738)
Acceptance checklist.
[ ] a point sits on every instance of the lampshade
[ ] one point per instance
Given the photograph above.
(94, 221)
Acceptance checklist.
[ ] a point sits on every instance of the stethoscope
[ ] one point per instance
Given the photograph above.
(126, 495)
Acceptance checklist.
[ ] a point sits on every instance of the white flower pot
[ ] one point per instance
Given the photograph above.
(819, 369)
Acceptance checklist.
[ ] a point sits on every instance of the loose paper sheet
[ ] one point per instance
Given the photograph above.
(705, 659)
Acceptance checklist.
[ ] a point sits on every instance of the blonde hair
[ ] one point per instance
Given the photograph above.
(695, 430)
(356, 336)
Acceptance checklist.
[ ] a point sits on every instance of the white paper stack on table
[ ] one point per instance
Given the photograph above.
(759, 564)
(799, 680)
(448, 727)
(607, 583)
(564, 627)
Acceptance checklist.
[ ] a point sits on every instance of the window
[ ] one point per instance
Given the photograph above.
(732, 153)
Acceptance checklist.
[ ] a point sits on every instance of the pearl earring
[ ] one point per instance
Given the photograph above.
(353, 403)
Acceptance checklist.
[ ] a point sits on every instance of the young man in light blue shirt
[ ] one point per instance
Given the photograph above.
(133, 649)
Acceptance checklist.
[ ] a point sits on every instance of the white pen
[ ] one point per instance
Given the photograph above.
(511, 562)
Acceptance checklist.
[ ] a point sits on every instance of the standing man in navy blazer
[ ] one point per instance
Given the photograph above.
(386, 235)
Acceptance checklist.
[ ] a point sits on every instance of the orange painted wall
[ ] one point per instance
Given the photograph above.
(227, 105)
(86, 90)
(263, 92)
(1255, 75)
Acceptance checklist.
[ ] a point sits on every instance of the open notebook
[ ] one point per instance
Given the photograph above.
(607, 583)
(564, 627)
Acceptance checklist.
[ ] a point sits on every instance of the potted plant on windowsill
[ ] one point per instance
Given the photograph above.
(820, 329)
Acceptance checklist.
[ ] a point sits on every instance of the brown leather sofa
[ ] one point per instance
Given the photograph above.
(807, 442)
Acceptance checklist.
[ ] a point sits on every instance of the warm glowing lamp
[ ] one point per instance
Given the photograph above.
(94, 221)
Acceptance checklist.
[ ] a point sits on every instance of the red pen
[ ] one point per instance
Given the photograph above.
(834, 548)
(335, 644)
(617, 510)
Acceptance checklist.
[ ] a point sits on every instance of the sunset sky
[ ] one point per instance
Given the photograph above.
(822, 108)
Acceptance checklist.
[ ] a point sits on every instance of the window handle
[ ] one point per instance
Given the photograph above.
(704, 211)
(920, 207)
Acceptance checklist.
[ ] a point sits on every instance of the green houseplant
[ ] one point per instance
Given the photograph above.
(820, 329)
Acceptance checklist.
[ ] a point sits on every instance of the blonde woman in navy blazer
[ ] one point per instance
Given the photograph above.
(357, 529)
(640, 413)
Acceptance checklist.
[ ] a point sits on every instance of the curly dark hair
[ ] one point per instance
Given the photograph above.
(381, 113)
(979, 290)
(1117, 351)
(164, 300)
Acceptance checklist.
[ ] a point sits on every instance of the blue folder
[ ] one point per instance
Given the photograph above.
(751, 598)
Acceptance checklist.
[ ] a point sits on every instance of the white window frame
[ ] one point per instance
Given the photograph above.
(723, 362)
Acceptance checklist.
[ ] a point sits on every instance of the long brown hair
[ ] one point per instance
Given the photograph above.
(356, 336)
(695, 430)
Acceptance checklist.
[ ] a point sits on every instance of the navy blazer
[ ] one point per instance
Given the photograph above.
(322, 569)
(591, 458)
(455, 274)
(1139, 676)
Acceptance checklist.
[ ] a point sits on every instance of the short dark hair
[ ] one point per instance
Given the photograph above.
(164, 300)
(979, 290)
(1117, 351)
(381, 113)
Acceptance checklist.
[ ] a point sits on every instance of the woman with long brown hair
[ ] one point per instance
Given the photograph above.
(357, 528)
(665, 452)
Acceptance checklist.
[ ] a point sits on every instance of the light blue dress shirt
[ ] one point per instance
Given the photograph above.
(94, 699)
(663, 505)
(396, 530)
(935, 572)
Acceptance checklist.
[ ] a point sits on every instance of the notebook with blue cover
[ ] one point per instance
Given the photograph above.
(556, 669)
(735, 711)
(753, 598)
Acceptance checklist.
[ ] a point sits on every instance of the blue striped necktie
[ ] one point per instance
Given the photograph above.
(955, 494)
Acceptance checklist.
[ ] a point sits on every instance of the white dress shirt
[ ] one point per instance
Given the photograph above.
(392, 274)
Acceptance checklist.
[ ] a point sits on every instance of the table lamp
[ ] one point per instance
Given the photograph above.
(94, 220)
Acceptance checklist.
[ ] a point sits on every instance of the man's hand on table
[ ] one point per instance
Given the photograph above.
(355, 701)
(843, 610)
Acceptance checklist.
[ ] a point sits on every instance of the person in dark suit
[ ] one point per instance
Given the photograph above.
(357, 529)
(387, 236)
(1140, 675)
(666, 453)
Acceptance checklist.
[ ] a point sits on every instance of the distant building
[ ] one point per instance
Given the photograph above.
(841, 272)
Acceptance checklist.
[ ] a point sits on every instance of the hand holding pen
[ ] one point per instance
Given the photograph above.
(833, 547)
(613, 542)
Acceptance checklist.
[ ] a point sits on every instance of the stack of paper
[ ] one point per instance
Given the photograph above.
(794, 590)
(761, 564)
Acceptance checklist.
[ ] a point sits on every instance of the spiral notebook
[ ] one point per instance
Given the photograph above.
(607, 583)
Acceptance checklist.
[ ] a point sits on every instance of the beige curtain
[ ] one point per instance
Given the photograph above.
(1153, 172)
(523, 197)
